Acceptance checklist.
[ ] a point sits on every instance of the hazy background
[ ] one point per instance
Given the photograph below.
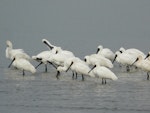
(76, 25)
(79, 26)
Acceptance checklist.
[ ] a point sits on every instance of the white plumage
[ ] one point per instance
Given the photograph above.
(132, 51)
(56, 49)
(12, 53)
(43, 58)
(24, 65)
(94, 58)
(143, 64)
(103, 72)
(76, 65)
(106, 52)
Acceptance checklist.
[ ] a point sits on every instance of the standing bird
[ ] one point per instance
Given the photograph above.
(24, 65)
(60, 56)
(58, 59)
(99, 59)
(76, 65)
(124, 59)
(56, 49)
(143, 64)
(103, 72)
(12, 53)
(43, 59)
(66, 66)
(106, 52)
(132, 51)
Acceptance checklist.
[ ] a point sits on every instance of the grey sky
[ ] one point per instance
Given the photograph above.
(76, 25)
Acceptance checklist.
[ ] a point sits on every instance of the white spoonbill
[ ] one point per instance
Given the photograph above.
(56, 49)
(12, 53)
(103, 72)
(58, 59)
(49, 45)
(132, 51)
(63, 69)
(23, 65)
(106, 52)
(124, 59)
(43, 59)
(78, 66)
(143, 64)
(75, 61)
(101, 60)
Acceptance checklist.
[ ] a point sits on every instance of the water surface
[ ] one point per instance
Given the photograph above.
(42, 92)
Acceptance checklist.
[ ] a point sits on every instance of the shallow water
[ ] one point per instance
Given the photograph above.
(42, 92)
(78, 26)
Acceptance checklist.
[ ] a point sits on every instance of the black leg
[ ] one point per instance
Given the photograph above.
(58, 74)
(45, 67)
(23, 73)
(147, 76)
(72, 75)
(120, 65)
(38, 65)
(127, 68)
(105, 81)
(82, 78)
(76, 75)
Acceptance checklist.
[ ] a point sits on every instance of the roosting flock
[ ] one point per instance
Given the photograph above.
(97, 65)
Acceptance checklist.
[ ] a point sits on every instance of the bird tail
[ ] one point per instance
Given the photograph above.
(114, 77)
(33, 70)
